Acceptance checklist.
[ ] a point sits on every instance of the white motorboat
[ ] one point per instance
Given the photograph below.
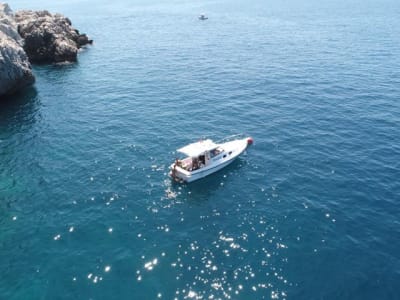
(203, 17)
(206, 157)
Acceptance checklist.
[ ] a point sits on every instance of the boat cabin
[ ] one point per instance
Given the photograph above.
(199, 155)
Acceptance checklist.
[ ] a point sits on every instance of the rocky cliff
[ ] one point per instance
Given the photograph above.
(49, 38)
(37, 37)
(15, 69)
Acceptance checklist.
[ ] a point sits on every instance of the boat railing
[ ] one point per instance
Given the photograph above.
(232, 138)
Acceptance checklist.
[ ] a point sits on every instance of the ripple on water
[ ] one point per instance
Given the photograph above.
(310, 211)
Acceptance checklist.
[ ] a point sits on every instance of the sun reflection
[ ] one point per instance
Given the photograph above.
(151, 264)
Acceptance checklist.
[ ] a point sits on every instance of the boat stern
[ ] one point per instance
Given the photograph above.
(179, 174)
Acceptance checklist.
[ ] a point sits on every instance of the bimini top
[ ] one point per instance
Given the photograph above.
(195, 149)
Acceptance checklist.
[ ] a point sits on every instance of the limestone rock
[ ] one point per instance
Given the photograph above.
(38, 36)
(7, 24)
(48, 37)
(15, 69)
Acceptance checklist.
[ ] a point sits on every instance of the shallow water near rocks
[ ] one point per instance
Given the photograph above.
(310, 211)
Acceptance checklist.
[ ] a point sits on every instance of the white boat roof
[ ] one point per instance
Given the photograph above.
(195, 149)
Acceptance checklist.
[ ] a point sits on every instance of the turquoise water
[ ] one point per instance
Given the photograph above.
(311, 211)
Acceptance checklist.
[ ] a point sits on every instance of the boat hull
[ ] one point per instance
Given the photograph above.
(203, 173)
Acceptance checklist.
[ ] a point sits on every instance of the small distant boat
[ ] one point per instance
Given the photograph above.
(203, 17)
(206, 157)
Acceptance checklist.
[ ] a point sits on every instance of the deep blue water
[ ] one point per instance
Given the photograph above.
(311, 211)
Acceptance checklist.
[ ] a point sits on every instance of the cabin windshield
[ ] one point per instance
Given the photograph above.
(216, 151)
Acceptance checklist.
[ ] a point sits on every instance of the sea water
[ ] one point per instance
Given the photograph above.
(310, 211)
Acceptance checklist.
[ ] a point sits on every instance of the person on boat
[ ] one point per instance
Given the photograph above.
(177, 162)
(202, 160)
(195, 163)
(173, 171)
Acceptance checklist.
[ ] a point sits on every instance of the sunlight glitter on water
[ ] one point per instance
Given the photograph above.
(151, 264)
(84, 157)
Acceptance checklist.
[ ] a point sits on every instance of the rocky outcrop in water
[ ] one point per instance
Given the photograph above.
(37, 37)
(15, 69)
(48, 37)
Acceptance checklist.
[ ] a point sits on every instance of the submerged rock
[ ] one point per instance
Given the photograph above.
(15, 69)
(48, 37)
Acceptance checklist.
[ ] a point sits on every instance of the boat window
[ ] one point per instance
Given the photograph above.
(215, 152)
(202, 159)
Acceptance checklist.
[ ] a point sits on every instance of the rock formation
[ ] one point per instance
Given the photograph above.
(37, 37)
(49, 38)
(15, 69)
